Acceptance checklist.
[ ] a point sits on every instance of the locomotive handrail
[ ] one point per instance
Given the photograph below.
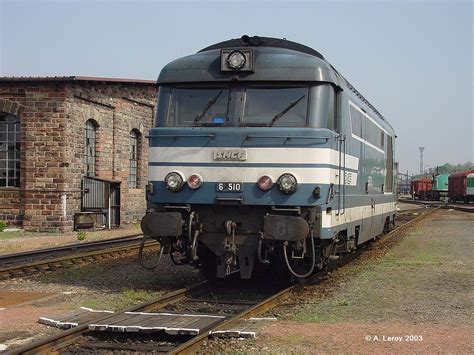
(288, 138)
(177, 136)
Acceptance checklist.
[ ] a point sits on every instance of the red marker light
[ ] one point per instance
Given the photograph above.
(265, 183)
(194, 181)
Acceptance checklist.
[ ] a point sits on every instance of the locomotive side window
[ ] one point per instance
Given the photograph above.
(389, 162)
(276, 106)
(365, 129)
(321, 112)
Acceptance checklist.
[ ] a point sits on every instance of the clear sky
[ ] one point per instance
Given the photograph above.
(412, 60)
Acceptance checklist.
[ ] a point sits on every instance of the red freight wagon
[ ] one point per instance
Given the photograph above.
(421, 188)
(457, 185)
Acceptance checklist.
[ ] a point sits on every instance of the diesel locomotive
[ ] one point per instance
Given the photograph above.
(265, 158)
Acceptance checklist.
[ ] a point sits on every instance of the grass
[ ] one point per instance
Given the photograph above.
(417, 274)
(9, 235)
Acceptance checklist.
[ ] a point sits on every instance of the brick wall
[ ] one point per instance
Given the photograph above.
(53, 116)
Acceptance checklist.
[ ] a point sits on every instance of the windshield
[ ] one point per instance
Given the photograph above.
(276, 107)
(235, 106)
(189, 107)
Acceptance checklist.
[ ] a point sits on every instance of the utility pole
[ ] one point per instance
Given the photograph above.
(421, 159)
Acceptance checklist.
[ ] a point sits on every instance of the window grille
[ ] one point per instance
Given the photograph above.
(89, 148)
(133, 173)
(9, 150)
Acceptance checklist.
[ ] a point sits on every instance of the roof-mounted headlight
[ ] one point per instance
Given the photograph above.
(174, 181)
(239, 59)
(236, 60)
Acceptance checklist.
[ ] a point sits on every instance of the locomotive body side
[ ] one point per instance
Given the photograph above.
(421, 188)
(282, 163)
(440, 186)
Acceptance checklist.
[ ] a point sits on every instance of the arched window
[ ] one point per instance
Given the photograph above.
(89, 148)
(133, 172)
(9, 150)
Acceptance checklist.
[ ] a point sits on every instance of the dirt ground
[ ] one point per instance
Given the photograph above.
(114, 284)
(411, 294)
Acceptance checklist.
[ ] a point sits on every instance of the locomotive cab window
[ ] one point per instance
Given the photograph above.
(257, 106)
(196, 107)
(274, 106)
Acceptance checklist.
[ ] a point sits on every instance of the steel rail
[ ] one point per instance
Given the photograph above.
(269, 303)
(52, 263)
(440, 204)
(69, 248)
(57, 341)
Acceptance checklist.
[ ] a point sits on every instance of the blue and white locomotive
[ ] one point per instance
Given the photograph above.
(264, 157)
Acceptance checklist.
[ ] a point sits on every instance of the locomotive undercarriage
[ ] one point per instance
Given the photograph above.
(222, 240)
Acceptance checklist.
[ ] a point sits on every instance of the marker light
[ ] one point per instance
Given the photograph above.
(174, 181)
(236, 60)
(265, 183)
(287, 183)
(194, 181)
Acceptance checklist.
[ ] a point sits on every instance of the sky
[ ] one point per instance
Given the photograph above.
(413, 60)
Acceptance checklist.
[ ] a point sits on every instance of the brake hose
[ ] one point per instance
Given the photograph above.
(288, 263)
(140, 255)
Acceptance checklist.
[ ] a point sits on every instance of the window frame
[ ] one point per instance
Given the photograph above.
(90, 152)
(134, 159)
(12, 158)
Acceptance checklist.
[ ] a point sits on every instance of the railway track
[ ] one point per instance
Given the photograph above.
(202, 299)
(454, 206)
(25, 263)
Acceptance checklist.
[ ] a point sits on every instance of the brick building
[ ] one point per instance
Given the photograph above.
(62, 138)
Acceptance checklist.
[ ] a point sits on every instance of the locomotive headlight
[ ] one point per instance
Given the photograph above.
(265, 183)
(195, 181)
(174, 181)
(236, 60)
(287, 183)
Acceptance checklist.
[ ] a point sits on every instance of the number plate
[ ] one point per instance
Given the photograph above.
(229, 187)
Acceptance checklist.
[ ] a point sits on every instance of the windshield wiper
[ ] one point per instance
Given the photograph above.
(206, 108)
(287, 108)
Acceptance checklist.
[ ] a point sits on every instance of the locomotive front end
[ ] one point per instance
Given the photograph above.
(242, 159)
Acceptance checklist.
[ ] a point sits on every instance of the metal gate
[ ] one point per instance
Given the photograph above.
(102, 198)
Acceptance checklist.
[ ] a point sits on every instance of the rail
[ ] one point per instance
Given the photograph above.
(44, 260)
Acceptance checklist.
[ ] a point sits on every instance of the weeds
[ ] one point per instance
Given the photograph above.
(82, 235)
